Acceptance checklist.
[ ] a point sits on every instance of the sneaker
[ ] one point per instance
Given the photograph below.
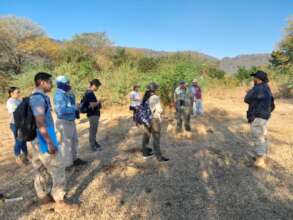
(97, 147)
(61, 206)
(79, 162)
(147, 155)
(162, 159)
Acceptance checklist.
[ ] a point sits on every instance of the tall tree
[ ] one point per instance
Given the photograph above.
(13, 31)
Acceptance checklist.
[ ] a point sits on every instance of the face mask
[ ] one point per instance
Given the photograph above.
(63, 86)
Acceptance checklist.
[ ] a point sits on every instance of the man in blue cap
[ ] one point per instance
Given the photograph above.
(261, 104)
(67, 112)
(183, 103)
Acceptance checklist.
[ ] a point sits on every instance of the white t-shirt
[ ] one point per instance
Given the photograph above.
(134, 98)
(11, 106)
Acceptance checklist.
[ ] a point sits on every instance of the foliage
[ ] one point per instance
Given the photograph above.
(147, 64)
(244, 75)
(13, 31)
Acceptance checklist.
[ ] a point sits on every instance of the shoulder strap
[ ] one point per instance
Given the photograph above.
(45, 99)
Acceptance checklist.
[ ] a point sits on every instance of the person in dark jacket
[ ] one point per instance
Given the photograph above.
(261, 104)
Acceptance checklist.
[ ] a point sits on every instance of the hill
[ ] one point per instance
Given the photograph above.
(231, 64)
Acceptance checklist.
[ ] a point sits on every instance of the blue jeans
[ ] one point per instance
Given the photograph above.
(20, 145)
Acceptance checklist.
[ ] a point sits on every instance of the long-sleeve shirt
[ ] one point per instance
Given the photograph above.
(65, 105)
(155, 106)
(260, 101)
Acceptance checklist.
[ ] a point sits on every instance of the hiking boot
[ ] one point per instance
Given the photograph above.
(162, 159)
(61, 206)
(79, 162)
(260, 162)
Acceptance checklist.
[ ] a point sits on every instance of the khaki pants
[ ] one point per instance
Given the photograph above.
(155, 132)
(49, 174)
(183, 114)
(67, 135)
(258, 132)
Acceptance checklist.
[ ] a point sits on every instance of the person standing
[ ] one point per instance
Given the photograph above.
(93, 112)
(152, 100)
(47, 158)
(183, 104)
(197, 98)
(20, 146)
(67, 111)
(261, 104)
(135, 99)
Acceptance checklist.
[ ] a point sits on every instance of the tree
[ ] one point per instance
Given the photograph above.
(13, 31)
(147, 64)
(41, 46)
(282, 59)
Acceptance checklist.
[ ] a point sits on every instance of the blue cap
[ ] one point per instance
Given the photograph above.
(62, 79)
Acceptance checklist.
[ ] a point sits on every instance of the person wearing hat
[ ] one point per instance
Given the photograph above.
(197, 98)
(152, 99)
(67, 112)
(261, 104)
(183, 103)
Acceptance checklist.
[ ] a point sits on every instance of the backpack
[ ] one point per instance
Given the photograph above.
(24, 119)
(143, 115)
(84, 105)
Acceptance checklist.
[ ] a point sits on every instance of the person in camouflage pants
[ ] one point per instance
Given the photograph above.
(183, 104)
(261, 104)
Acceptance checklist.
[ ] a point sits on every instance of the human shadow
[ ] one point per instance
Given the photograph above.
(208, 177)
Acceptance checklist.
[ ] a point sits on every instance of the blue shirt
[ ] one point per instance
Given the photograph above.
(41, 105)
(65, 105)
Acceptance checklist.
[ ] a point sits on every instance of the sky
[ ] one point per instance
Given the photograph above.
(218, 28)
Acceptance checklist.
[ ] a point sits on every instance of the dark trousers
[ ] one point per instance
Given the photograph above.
(20, 145)
(155, 132)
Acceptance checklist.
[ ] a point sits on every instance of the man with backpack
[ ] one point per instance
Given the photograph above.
(149, 115)
(47, 158)
(92, 107)
(67, 111)
(183, 103)
(261, 104)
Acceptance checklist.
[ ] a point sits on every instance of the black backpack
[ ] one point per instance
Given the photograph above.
(24, 119)
(84, 105)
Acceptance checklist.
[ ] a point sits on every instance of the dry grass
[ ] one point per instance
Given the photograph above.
(208, 176)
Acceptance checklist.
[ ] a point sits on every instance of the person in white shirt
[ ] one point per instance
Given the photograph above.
(154, 130)
(20, 146)
(135, 99)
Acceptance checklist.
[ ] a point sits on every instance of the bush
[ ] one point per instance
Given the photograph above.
(244, 75)
(147, 64)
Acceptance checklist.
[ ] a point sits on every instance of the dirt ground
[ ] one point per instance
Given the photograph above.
(208, 175)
